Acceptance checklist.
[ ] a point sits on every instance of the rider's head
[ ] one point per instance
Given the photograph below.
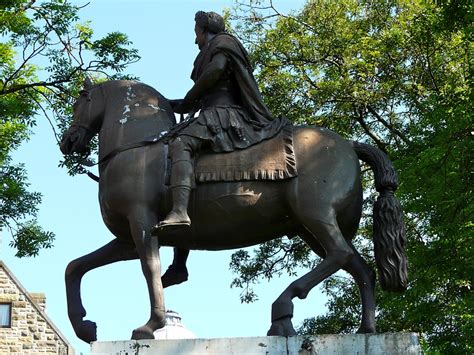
(207, 23)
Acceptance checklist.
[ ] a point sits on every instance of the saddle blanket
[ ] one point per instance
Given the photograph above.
(272, 159)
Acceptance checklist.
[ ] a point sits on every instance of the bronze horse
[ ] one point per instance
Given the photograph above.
(322, 205)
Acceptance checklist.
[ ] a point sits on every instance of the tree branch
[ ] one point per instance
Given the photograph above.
(66, 45)
(388, 125)
(33, 53)
(16, 88)
(27, 5)
(56, 83)
(45, 113)
(378, 141)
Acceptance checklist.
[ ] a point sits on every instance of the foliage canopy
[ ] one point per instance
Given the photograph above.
(45, 52)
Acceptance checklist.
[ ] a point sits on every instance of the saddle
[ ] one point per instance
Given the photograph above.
(272, 159)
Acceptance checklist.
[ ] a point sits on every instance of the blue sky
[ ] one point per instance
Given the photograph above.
(115, 296)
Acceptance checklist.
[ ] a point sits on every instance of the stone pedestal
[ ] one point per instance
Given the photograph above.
(389, 343)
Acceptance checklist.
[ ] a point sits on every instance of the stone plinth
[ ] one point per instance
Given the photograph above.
(389, 343)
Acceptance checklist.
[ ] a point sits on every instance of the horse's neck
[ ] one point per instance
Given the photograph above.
(132, 114)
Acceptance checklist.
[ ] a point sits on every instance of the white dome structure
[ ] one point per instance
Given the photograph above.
(174, 328)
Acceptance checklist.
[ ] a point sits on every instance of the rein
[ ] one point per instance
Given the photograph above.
(163, 136)
(147, 141)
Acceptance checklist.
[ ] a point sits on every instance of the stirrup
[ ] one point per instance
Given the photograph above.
(164, 224)
(170, 225)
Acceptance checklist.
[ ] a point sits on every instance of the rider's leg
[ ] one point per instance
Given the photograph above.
(182, 174)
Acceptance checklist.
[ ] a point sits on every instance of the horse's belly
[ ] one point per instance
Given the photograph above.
(232, 215)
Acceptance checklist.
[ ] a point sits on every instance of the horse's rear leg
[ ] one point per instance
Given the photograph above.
(112, 252)
(364, 277)
(338, 254)
(177, 272)
(147, 247)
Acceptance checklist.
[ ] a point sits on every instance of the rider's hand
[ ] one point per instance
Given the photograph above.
(183, 106)
(177, 106)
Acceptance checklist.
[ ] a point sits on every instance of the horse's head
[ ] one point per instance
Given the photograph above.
(88, 114)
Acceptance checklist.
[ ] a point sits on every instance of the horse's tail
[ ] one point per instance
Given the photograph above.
(388, 230)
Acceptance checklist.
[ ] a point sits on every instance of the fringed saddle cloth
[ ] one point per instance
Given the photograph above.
(272, 159)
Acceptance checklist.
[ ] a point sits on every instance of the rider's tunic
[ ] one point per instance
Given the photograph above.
(233, 115)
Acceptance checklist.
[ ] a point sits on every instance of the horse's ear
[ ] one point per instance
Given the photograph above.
(88, 83)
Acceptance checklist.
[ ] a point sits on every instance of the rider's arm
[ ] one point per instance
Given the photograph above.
(207, 80)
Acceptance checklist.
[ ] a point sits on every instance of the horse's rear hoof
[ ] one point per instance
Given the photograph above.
(174, 276)
(282, 327)
(144, 332)
(366, 330)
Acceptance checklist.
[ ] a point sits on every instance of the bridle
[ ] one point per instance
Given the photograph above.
(86, 122)
(86, 92)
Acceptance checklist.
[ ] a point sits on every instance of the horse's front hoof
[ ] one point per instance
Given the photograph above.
(144, 332)
(282, 327)
(86, 331)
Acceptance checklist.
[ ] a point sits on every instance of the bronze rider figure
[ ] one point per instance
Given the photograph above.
(232, 113)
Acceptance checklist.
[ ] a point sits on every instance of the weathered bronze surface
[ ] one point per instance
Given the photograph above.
(322, 205)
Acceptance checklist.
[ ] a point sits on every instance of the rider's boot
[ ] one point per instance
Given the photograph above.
(182, 174)
(179, 214)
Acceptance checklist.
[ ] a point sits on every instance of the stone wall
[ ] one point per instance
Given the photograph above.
(31, 331)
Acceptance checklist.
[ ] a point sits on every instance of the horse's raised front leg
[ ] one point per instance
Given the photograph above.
(338, 254)
(147, 247)
(112, 252)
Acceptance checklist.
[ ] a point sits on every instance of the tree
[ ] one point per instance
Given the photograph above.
(395, 74)
(45, 53)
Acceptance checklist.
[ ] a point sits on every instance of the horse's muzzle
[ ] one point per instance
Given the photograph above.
(66, 144)
(73, 141)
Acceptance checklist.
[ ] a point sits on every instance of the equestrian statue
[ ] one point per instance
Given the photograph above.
(228, 176)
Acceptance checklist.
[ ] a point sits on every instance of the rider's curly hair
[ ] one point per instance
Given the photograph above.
(210, 21)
